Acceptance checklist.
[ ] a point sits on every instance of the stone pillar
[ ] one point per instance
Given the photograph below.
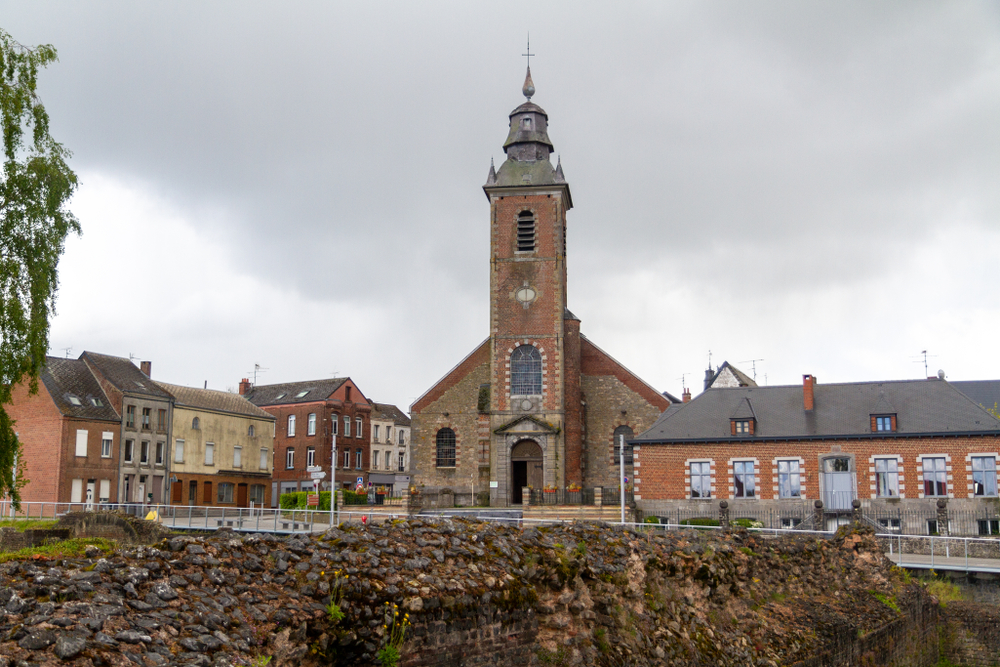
(942, 517)
(598, 496)
(525, 497)
(819, 516)
(724, 515)
(856, 510)
(413, 503)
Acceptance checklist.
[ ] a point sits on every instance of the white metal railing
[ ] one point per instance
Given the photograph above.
(976, 554)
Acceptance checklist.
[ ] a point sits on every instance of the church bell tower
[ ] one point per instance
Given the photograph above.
(535, 425)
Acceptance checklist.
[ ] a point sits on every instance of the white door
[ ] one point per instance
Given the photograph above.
(76, 493)
(91, 489)
(140, 493)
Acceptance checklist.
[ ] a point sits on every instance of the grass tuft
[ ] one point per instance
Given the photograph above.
(65, 549)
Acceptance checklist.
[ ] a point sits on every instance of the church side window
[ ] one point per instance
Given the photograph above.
(525, 371)
(622, 434)
(525, 232)
(446, 448)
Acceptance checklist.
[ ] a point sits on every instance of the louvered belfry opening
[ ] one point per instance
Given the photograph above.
(525, 232)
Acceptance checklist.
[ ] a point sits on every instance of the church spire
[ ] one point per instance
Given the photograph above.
(528, 89)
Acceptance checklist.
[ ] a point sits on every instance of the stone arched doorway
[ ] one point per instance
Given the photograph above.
(526, 468)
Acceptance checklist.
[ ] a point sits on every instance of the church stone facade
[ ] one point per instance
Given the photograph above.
(536, 403)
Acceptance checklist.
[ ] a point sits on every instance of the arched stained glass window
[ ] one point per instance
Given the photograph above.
(446, 448)
(525, 371)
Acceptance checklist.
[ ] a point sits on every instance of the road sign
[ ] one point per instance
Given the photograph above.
(317, 475)
(312, 500)
(313, 469)
(361, 481)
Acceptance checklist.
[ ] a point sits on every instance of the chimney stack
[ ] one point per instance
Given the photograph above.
(244, 386)
(146, 367)
(686, 396)
(808, 382)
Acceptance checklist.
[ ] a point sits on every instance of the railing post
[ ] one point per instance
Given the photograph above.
(856, 510)
(525, 497)
(724, 515)
(598, 496)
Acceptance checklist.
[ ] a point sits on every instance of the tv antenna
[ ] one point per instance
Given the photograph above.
(68, 350)
(257, 368)
(683, 383)
(753, 363)
(132, 357)
(922, 358)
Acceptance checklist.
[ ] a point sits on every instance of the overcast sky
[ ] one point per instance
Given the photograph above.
(299, 185)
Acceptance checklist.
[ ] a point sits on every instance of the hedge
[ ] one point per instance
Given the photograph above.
(298, 500)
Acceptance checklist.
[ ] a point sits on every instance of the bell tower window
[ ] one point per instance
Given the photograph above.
(525, 371)
(525, 232)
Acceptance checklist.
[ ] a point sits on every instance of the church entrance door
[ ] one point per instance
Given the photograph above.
(526, 468)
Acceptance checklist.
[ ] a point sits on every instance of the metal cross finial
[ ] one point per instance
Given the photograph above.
(529, 53)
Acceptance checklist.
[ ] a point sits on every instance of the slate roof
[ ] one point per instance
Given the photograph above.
(284, 394)
(984, 392)
(922, 407)
(744, 379)
(212, 399)
(124, 375)
(67, 379)
(387, 412)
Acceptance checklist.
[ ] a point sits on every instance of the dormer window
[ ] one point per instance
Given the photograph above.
(741, 427)
(883, 423)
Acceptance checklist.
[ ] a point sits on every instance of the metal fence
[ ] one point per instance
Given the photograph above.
(612, 495)
(924, 521)
(562, 497)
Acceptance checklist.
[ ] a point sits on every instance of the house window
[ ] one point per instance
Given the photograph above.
(159, 453)
(335, 421)
(388, 434)
(179, 451)
(445, 441)
(105, 491)
(195, 424)
(290, 458)
(701, 480)
(237, 457)
(311, 424)
(375, 459)
(359, 459)
(257, 494)
(932, 527)
(622, 434)
(129, 453)
(401, 468)
(375, 433)
(347, 458)
(357, 426)
(388, 460)
(291, 425)
(130, 416)
(81, 442)
(263, 459)
(790, 521)
(310, 457)
(887, 478)
(525, 371)
(251, 431)
(209, 454)
(146, 412)
(989, 526)
(347, 426)
(741, 426)
(789, 479)
(401, 441)
(744, 479)
(144, 453)
(889, 525)
(935, 476)
(225, 492)
(525, 232)
(984, 475)
(161, 420)
(106, 439)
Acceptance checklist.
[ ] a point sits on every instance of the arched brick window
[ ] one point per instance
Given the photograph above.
(525, 232)
(446, 448)
(525, 371)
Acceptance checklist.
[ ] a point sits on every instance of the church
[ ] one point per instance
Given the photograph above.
(537, 403)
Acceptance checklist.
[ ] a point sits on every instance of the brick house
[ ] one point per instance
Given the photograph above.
(314, 419)
(896, 446)
(71, 436)
(390, 448)
(221, 453)
(537, 403)
(146, 414)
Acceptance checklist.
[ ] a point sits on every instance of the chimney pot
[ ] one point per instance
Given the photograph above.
(146, 367)
(244, 386)
(808, 383)
(686, 396)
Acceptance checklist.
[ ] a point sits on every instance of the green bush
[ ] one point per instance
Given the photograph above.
(652, 519)
(700, 521)
(352, 498)
(747, 523)
(297, 500)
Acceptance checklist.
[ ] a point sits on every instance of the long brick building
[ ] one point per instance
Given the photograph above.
(895, 446)
(537, 403)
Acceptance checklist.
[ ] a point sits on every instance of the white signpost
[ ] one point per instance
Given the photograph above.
(319, 474)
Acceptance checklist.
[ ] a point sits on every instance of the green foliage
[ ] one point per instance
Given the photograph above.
(352, 498)
(333, 611)
(299, 500)
(651, 519)
(944, 591)
(395, 627)
(64, 549)
(886, 600)
(700, 521)
(21, 525)
(747, 523)
(35, 185)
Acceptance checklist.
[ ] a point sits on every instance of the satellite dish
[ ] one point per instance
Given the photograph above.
(940, 374)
